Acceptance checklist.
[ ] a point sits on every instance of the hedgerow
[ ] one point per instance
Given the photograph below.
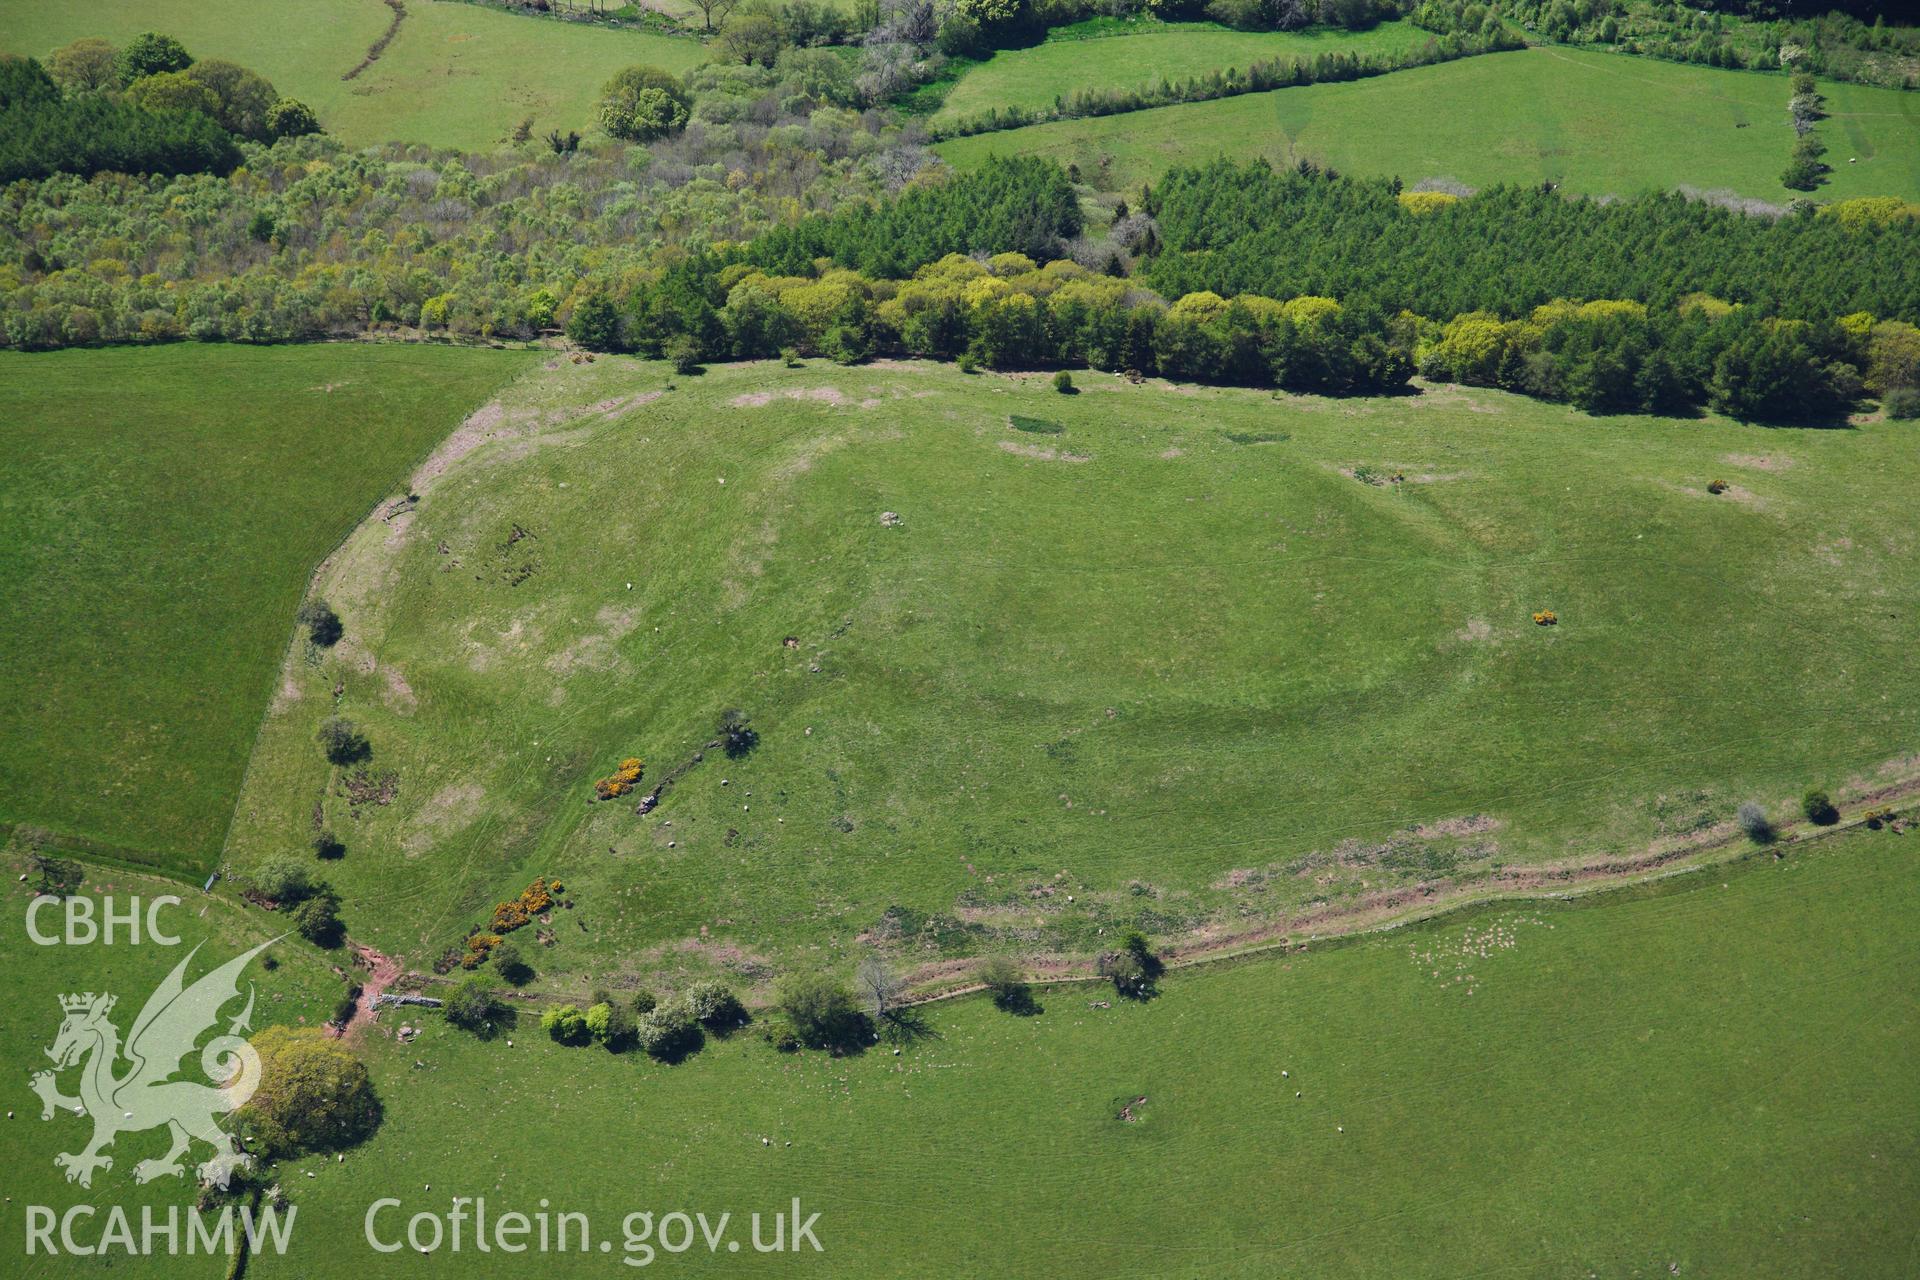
(1759, 35)
(1256, 77)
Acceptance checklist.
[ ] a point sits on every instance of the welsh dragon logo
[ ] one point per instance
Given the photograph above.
(145, 1095)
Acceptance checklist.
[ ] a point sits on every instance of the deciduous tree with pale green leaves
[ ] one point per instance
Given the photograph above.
(473, 1006)
(314, 1094)
(242, 98)
(289, 118)
(88, 65)
(643, 103)
(989, 12)
(174, 91)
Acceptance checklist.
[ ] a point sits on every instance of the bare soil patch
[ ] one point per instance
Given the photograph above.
(1439, 395)
(596, 651)
(1477, 631)
(760, 399)
(1472, 825)
(1732, 493)
(1834, 553)
(382, 972)
(1758, 461)
(611, 407)
(1041, 453)
(399, 694)
(451, 808)
(482, 425)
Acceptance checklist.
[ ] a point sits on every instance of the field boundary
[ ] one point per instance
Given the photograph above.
(94, 852)
(379, 46)
(1597, 878)
(1649, 868)
(293, 629)
(1285, 71)
(651, 20)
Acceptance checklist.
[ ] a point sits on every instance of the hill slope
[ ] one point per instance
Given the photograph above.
(1184, 657)
(455, 75)
(1597, 123)
(1062, 64)
(163, 510)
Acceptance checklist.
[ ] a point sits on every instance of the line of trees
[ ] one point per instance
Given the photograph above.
(973, 28)
(1805, 169)
(1296, 278)
(1618, 357)
(1005, 313)
(1008, 312)
(1309, 281)
(1760, 35)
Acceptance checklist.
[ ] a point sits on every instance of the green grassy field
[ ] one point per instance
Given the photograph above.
(163, 510)
(1714, 1072)
(457, 75)
(1256, 673)
(1120, 661)
(1596, 123)
(299, 990)
(1032, 78)
(1717, 1078)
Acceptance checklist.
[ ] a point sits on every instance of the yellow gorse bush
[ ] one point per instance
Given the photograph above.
(1867, 211)
(1422, 202)
(620, 781)
(508, 916)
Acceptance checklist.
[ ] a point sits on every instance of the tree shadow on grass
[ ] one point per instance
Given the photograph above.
(845, 1037)
(737, 737)
(906, 1025)
(678, 1048)
(1830, 420)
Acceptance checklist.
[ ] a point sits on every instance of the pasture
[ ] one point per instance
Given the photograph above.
(1715, 1077)
(1027, 668)
(455, 75)
(299, 990)
(1595, 123)
(1420, 734)
(163, 510)
(1068, 61)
